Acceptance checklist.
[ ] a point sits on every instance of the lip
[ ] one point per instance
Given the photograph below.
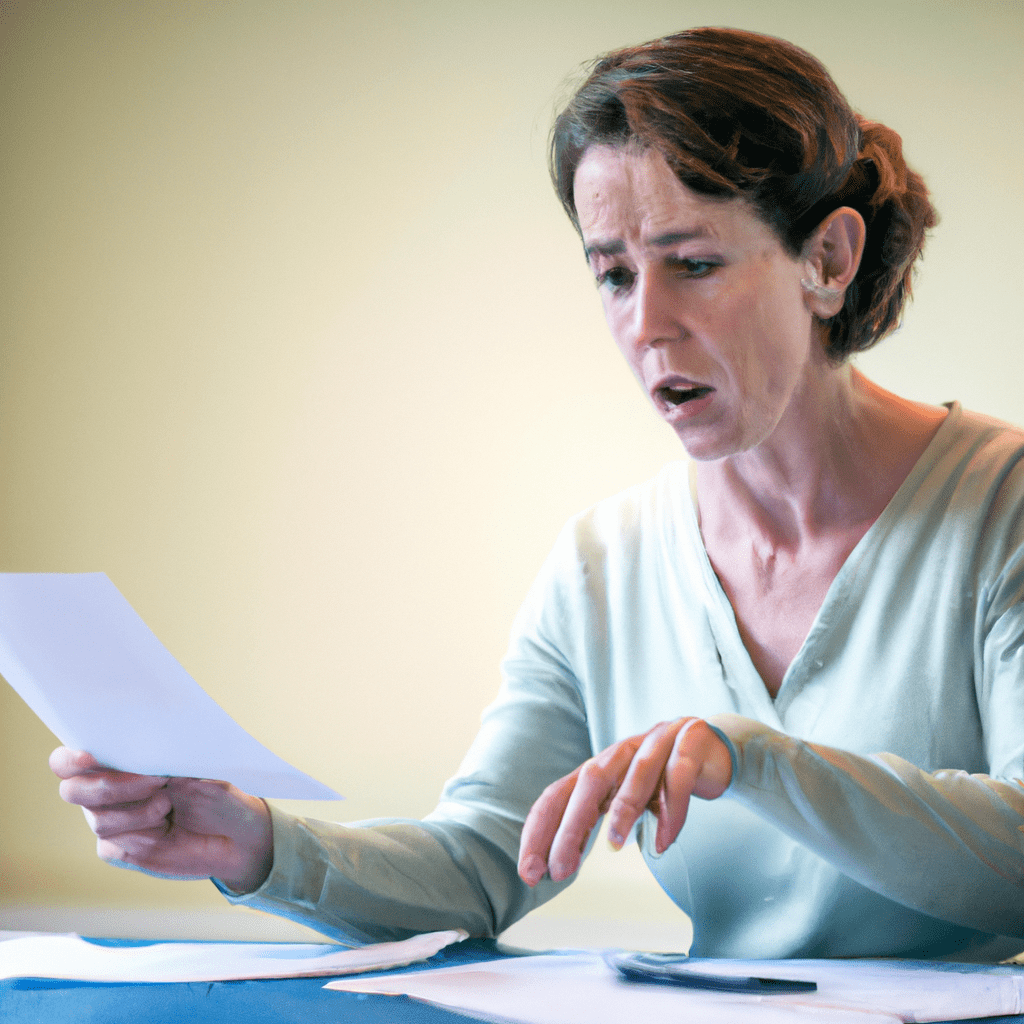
(669, 405)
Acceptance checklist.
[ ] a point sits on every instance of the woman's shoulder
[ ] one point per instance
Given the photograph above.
(627, 533)
(611, 554)
(656, 506)
(972, 481)
(980, 450)
(971, 423)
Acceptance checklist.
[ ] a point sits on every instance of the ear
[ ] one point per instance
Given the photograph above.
(833, 255)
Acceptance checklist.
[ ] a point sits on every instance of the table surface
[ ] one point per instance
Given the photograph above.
(275, 1001)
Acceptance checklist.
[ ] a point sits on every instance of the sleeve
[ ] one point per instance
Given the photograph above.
(947, 843)
(379, 881)
(388, 879)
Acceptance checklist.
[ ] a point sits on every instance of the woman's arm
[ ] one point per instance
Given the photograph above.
(367, 881)
(388, 878)
(946, 843)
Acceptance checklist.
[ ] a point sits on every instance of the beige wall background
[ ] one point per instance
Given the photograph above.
(298, 348)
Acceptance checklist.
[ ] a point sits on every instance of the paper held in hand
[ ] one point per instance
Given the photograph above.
(81, 658)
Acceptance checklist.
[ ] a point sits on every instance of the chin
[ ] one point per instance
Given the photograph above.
(727, 435)
(701, 451)
(705, 445)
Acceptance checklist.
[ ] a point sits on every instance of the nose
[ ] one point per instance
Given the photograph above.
(655, 314)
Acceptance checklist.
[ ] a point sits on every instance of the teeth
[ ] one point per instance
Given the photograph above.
(677, 396)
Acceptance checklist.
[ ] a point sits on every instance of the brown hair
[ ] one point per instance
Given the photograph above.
(736, 114)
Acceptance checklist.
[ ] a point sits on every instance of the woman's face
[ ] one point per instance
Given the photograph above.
(702, 299)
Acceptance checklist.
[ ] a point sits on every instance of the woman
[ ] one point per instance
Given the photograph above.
(818, 630)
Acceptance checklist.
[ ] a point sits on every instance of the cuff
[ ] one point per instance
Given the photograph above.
(286, 832)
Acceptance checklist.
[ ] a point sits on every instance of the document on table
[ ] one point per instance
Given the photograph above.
(580, 988)
(81, 658)
(73, 958)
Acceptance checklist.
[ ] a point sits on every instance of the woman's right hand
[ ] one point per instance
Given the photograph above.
(658, 771)
(172, 827)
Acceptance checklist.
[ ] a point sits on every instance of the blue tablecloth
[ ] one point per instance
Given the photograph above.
(278, 1001)
(274, 1001)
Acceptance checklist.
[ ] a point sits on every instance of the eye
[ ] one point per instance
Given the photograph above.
(615, 278)
(694, 267)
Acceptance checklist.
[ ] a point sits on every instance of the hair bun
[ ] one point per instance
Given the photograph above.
(884, 148)
(894, 202)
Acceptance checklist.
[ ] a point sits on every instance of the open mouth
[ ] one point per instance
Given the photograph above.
(680, 396)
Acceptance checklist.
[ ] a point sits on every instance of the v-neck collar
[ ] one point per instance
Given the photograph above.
(722, 618)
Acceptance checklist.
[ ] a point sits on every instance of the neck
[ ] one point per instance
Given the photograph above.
(833, 462)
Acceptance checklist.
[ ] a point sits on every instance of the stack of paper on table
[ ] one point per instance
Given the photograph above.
(71, 957)
(580, 988)
(565, 988)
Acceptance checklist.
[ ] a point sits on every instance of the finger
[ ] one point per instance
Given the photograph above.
(598, 781)
(157, 853)
(700, 765)
(66, 763)
(641, 788)
(678, 780)
(175, 853)
(716, 765)
(140, 816)
(540, 827)
(106, 788)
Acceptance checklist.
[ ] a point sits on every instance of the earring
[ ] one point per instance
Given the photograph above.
(819, 291)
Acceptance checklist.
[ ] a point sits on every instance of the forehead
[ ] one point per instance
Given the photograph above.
(629, 196)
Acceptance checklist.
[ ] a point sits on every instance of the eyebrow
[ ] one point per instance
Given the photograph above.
(614, 248)
(604, 249)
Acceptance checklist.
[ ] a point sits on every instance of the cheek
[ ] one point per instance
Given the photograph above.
(617, 322)
(735, 319)
(781, 323)
(761, 343)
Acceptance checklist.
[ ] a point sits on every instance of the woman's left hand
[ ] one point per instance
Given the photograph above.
(658, 770)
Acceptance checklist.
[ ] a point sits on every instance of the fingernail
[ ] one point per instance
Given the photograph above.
(559, 871)
(615, 840)
(531, 871)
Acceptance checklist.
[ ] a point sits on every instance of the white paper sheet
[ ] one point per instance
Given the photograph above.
(68, 956)
(582, 989)
(93, 671)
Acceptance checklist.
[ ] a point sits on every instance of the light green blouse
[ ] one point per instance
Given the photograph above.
(876, 807)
